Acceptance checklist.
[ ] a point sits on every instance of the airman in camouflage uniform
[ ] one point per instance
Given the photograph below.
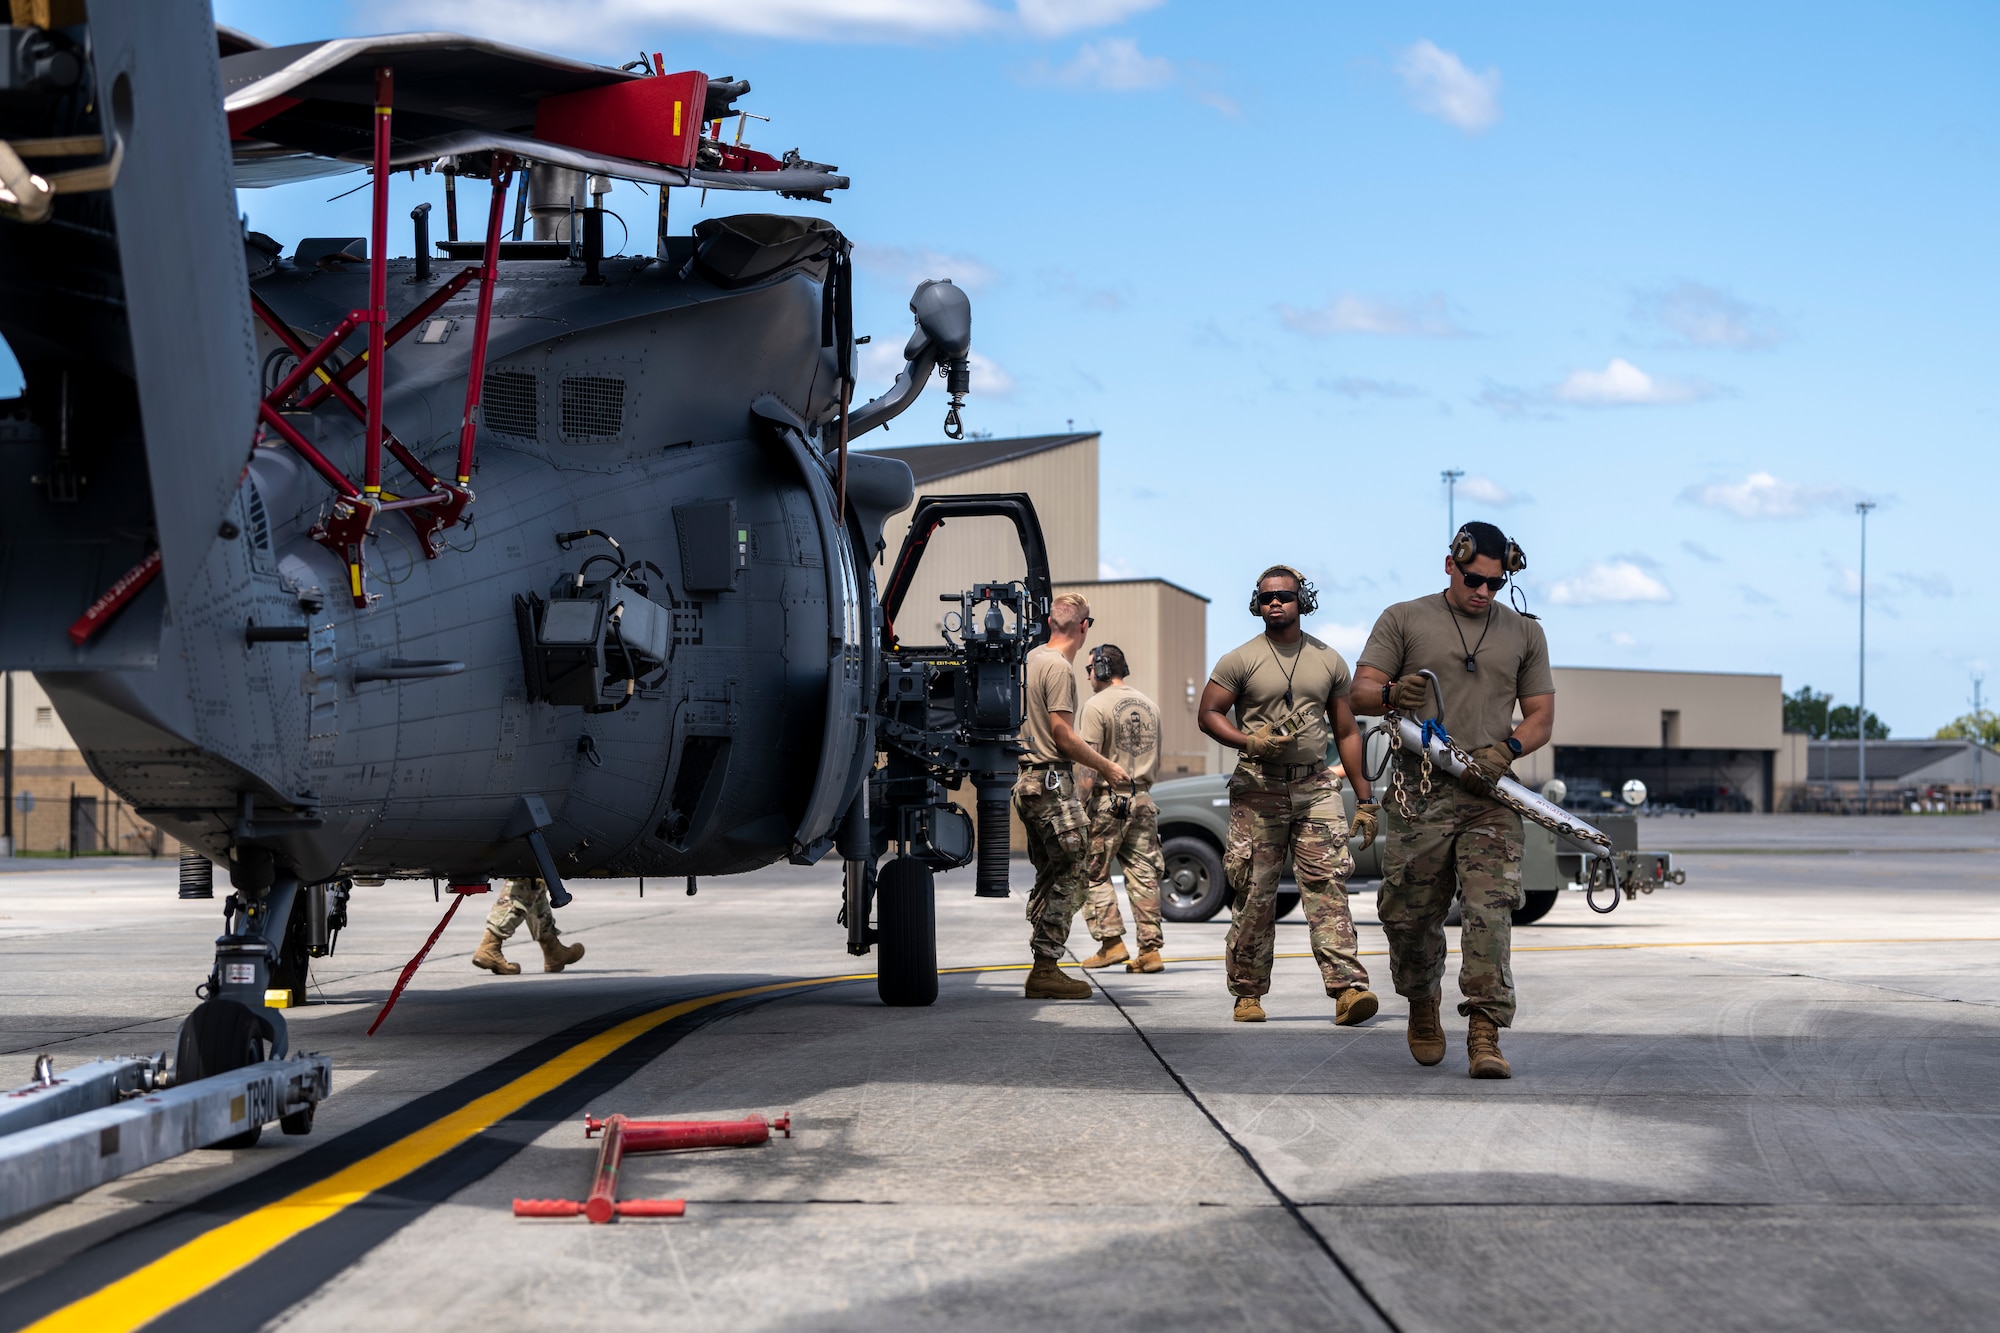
(1445, 836)
(523, 900)
(1045, 797)
(1289, 693)
(1120, 721)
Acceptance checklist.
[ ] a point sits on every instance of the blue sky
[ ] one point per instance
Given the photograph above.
(1673, 285)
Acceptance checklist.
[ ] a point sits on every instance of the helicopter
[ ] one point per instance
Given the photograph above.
(507, 558)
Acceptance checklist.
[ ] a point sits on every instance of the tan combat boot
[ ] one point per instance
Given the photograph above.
(1354, 1006)
(556, 955)
(1149, 960)
(1047, 982)
(1482, 1049)
(1426, 1032)
(490, 957)
(1248, 1010)
(1108, 952)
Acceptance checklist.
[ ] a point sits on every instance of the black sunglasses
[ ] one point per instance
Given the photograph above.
(1275, 595)
(1088, 621)
(1496, 582)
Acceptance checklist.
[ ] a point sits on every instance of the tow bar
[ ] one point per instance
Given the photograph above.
(102, 1120)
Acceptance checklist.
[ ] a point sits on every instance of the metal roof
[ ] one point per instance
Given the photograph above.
(1888, 761)
(935, 462)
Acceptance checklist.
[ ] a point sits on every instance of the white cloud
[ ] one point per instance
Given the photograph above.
(1609, 581)
(1930, 585)
(1115, 64)
(1622, 384)
(1620, 639)
(1486, 491)
(1348, 313)
(1347, 640)
(990, 378)
(1115, 568)
(909, 265)
(1762, 495)
(878, 364)
(1053, 18)
(1440, 85)
(571, 24)
(1701, 316)
(1702, 553)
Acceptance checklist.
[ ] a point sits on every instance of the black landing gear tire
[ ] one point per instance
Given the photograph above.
(1538, 905)
(1193, 889)
(221, 1035)
(906, 934)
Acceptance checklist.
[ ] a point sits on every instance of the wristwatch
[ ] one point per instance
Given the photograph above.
(1515, 746)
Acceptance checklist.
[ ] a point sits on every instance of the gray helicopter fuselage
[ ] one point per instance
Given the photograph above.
(607, 407)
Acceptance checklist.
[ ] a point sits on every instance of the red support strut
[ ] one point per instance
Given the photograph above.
(475, 376)
(378, 287)
(618, 1135)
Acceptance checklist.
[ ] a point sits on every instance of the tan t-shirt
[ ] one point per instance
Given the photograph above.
(1124, 725)
(1051, 689)
(1512, 659)
(1259, 673)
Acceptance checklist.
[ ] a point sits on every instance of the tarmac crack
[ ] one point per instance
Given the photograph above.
(1284, 1200)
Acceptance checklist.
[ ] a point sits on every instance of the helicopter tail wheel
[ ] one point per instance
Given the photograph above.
(906, 933)
(221, 1035)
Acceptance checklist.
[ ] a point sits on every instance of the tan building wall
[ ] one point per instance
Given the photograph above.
(48, 766)
(1161, 628)
(1704, 710)
(1063, 482)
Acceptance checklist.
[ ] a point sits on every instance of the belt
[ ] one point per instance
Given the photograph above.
(1063, 764)
(1284, 772)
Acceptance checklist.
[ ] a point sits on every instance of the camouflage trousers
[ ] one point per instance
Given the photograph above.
(522, 900)
(1268, 817)
(1453, 842)
(1058, 848)
(1134, 843)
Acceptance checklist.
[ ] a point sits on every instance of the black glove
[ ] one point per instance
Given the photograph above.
(1410, 694)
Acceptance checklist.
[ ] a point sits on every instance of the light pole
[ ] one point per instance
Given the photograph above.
(1862, 507)
(1451, 476)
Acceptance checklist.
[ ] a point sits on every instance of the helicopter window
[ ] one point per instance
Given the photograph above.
(571, 621)
(508, 403)
(592, 406)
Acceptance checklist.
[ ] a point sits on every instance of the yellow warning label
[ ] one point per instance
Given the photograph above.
(677, 120)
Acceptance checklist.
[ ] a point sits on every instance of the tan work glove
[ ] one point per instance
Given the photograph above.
(1410, 694)
(1263, 741)
(1367, 818)
(1490, 763)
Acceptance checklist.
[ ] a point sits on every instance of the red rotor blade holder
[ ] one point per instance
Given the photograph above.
(616, 1135)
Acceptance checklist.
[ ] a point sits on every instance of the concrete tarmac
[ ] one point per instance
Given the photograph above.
(1763, 1100)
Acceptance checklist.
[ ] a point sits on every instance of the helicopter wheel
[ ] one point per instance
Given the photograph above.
(220, 1035)
(906, 940)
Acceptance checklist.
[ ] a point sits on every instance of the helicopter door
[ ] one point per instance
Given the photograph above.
(845, 734)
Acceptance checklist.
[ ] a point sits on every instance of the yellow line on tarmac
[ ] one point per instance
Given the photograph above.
(145, 1294)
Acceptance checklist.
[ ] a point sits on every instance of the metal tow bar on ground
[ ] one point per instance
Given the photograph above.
(618, 1135)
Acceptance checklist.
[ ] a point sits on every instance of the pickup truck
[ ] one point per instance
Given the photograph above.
(1194, 824)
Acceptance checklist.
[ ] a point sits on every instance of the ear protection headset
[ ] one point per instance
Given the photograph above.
(1308, 595)
(1465, 552)
(1099, 668)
